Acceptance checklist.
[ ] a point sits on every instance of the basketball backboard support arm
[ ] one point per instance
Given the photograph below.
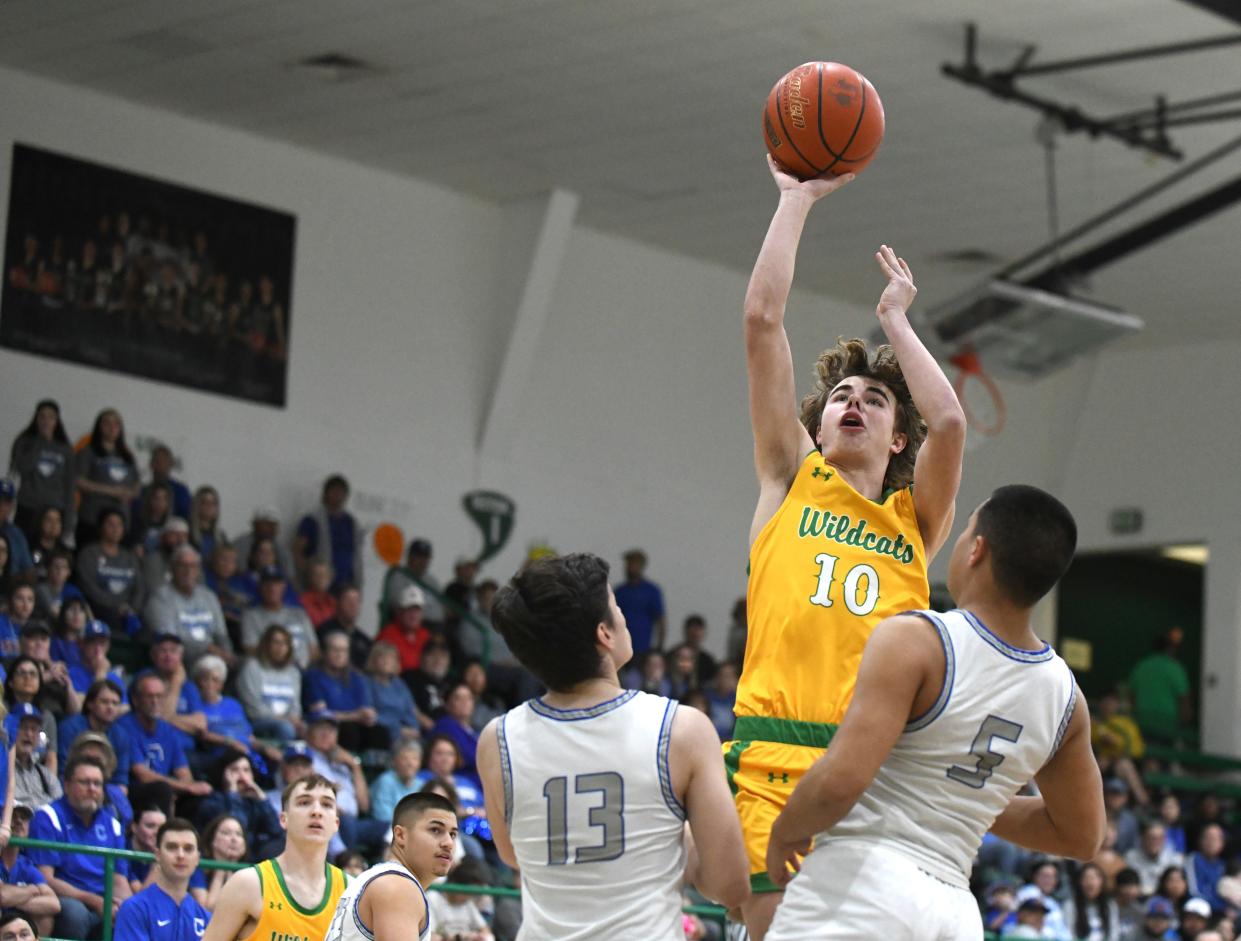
(1148, 134)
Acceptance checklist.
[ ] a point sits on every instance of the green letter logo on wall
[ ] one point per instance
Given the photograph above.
(493, 513)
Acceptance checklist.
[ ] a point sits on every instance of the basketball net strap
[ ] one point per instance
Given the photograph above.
(969, 365)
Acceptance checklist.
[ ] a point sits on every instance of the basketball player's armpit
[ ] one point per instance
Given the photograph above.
(1069, 818)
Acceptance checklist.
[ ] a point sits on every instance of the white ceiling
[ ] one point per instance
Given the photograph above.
(649, 109)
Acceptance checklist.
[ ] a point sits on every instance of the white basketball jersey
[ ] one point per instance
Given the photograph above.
(595, 825)
(999, 718)
(347, 923)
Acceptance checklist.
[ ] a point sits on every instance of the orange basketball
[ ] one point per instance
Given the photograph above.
(823, 117)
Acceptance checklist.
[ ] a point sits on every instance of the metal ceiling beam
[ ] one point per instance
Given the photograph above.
(1228, 9)
(1140, 236)
(1124, 55)
(1001, 84)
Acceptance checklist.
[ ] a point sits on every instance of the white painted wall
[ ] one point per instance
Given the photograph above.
(633, 429)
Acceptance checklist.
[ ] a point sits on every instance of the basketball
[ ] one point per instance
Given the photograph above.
(823, 117)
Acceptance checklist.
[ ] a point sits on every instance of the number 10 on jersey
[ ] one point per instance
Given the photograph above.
(859, 589)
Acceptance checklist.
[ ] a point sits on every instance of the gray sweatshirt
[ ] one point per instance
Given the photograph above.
(110, 581)
(198, 620)
(270, 692)
(46, 471)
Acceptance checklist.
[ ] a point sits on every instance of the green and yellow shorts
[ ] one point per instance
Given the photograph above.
(764, 761)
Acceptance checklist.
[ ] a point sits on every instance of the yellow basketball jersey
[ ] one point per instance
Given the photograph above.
(824, 570)
(283, 919)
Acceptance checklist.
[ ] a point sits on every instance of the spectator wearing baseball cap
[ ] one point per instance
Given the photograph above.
(416, 572)
(34, 785)
(24, 688)
(1029, 920)
(406, 631)
(1159, 921)
(93, 663)
(57, 695)
(1195, 918)
(272, 609)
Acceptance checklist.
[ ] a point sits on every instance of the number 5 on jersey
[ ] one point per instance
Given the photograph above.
(857, 601)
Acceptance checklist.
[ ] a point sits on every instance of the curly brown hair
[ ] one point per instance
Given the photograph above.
(852, 358)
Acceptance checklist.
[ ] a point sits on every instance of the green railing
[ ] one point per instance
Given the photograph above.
(110, 856)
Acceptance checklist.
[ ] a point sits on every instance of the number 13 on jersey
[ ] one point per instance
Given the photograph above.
(859, 588)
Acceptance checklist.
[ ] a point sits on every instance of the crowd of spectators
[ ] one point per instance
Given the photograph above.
(120, 279)
(246, 665)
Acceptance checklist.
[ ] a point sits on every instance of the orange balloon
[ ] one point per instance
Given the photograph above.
(389, 543)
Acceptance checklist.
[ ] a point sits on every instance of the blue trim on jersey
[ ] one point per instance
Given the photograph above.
(1064, 720)
(506, 770)
(661, 761)
(1020, 654)
(357, 900)
(950, 671)
(575, 715)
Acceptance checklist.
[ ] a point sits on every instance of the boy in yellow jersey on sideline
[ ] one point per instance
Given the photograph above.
(293, 896)
(856, 495)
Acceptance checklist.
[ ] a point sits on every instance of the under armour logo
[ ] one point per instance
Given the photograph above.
(771, 778)
(820, 472)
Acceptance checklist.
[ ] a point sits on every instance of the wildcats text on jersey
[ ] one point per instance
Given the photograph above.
(824, 523)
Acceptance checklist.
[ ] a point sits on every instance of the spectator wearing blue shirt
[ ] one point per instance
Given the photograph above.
(67, 634)
(1205, 867)
(393, 701)
(330, 534)
(91, 662)
(100, 710)
(336, 687)
(228, 729)
(353, 795)
(166, 909)
(183, 706)
(115, 797)
(397, 781)
(162, 462)
(22, 885)
(443, 761)
(642, 603)
(235, 793)
(722, 698)
(77, 878)
(455, 723)
(156, 754)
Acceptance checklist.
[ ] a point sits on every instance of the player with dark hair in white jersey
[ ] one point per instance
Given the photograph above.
(953, 714)
(387, 902)
(589, 787)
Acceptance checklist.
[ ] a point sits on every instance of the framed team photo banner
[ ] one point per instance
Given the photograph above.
(126, 273)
